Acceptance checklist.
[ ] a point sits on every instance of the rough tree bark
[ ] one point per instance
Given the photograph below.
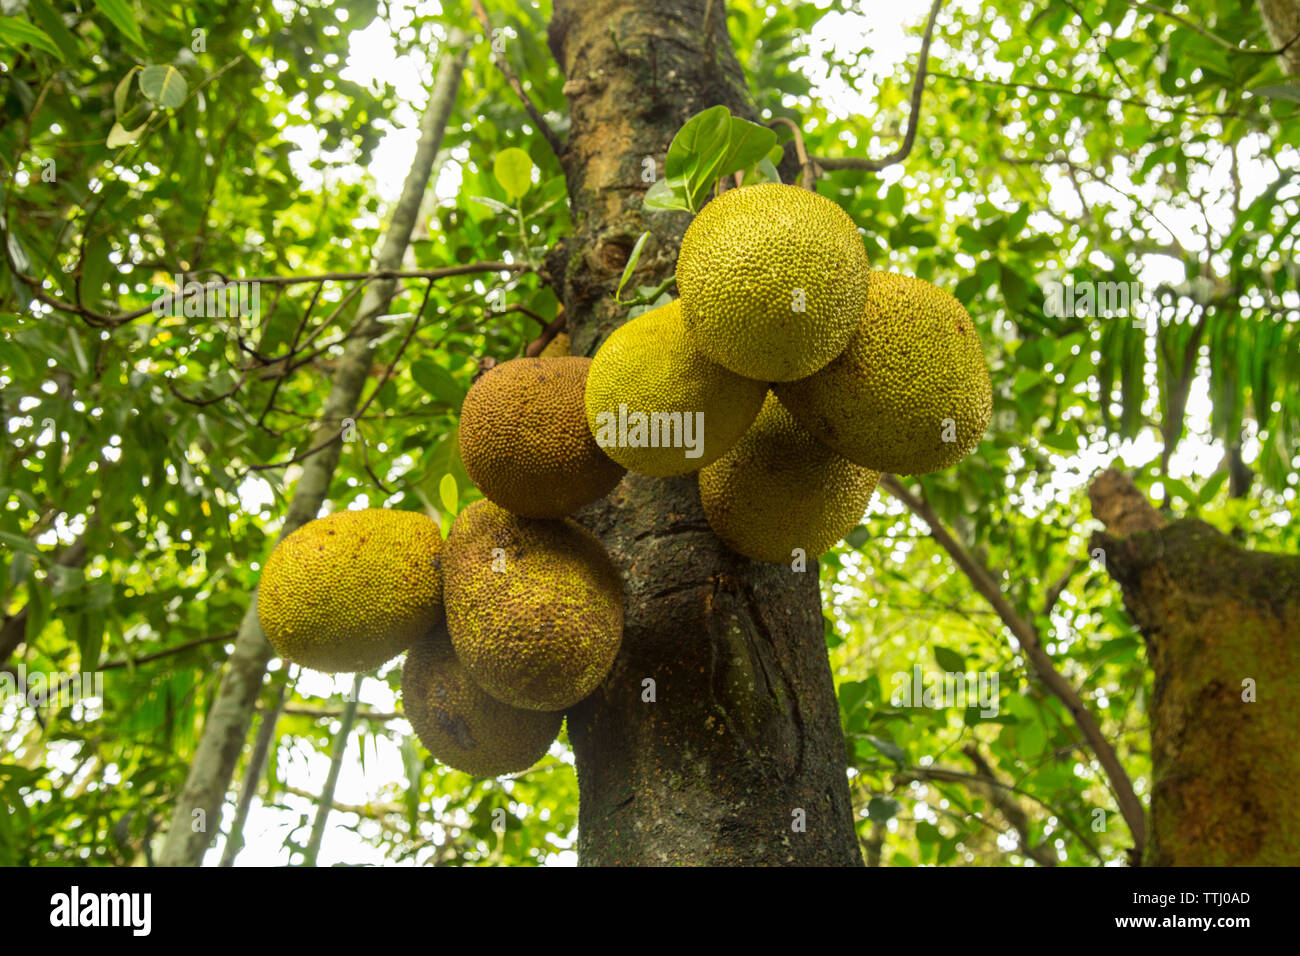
(742, 742)
(1282, 22)
(1222, 630)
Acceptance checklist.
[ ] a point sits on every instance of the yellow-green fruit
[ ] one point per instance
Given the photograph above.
(657, 406)
(911, 392)
(780, 490)
(350, 591)
(525, 441)
(461, 725)
(557, 347)
(535, 608)
(772, 280)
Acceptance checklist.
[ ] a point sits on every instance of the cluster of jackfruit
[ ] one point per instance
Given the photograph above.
(508, 623)
(789, 374)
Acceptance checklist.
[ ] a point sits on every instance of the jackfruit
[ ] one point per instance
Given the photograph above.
(557, 347)
(780, 489)
(535, 608)
(461, 725)
(658, 407)
(525, 442)
(350, 591)
(772, 281)
(911, 393)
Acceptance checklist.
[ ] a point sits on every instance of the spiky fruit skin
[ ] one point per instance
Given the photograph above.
(780, 489)
(459, 723)
(772, 281)
(648, 367)
(911, 393)
(525, 441)
(535, 608)
(350, 591)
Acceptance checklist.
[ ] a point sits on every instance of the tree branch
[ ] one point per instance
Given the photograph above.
(914, 119)
(499, 60)
(1027, 636)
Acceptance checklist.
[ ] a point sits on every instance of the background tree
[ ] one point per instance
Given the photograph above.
(150, 461)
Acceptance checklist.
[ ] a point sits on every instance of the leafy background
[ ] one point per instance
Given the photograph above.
(147, 460)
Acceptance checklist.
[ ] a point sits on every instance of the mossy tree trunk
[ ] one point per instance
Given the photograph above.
(716, 738)
(1222, 630)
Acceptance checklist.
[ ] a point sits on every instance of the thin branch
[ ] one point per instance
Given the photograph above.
(1027, 636)
(1083, 94)
(554, 328)
(1191, 25)
(807, 169)
(914, 119)
(499, 60)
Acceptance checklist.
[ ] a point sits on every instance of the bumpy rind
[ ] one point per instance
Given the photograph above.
(459, 723)
(535, 608)
(648, 368)
(911, 392)
(780, 493)
(525, 442)
(772, 281)
(350, 591)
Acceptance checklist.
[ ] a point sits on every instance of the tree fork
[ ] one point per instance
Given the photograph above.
(716, 737)
(1222, 631)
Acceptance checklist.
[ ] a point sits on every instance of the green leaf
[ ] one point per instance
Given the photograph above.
(449, 494)
(697, 151)
(122, 90)
(950, 660)
(888, 748)
(882, 809)
(927, 832)
(20, 33)
(438, 382)
(1279, 92)
(747, 143)
(631, 262)
(163, 85)
(513, 169)
(53, 25)
(664, 194)
(119, 11)
(765, 172)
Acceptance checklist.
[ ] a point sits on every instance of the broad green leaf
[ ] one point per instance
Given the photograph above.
(20, 33)
(449, 494)
(631, 263)
(438, 382)
(163, 85)
(123, 17)
(665, 194)
(949, 660)
(513, 169)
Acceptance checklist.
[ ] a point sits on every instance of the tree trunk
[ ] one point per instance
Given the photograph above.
(734, 754)
(1282, 22)
(1222, 630)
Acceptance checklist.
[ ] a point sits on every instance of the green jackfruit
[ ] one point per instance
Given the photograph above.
(658, 407)
(772, 280)
(911, 392)
(535, 608)
(525, 441)
(350, 591)
(780, 489)
(461, 725)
